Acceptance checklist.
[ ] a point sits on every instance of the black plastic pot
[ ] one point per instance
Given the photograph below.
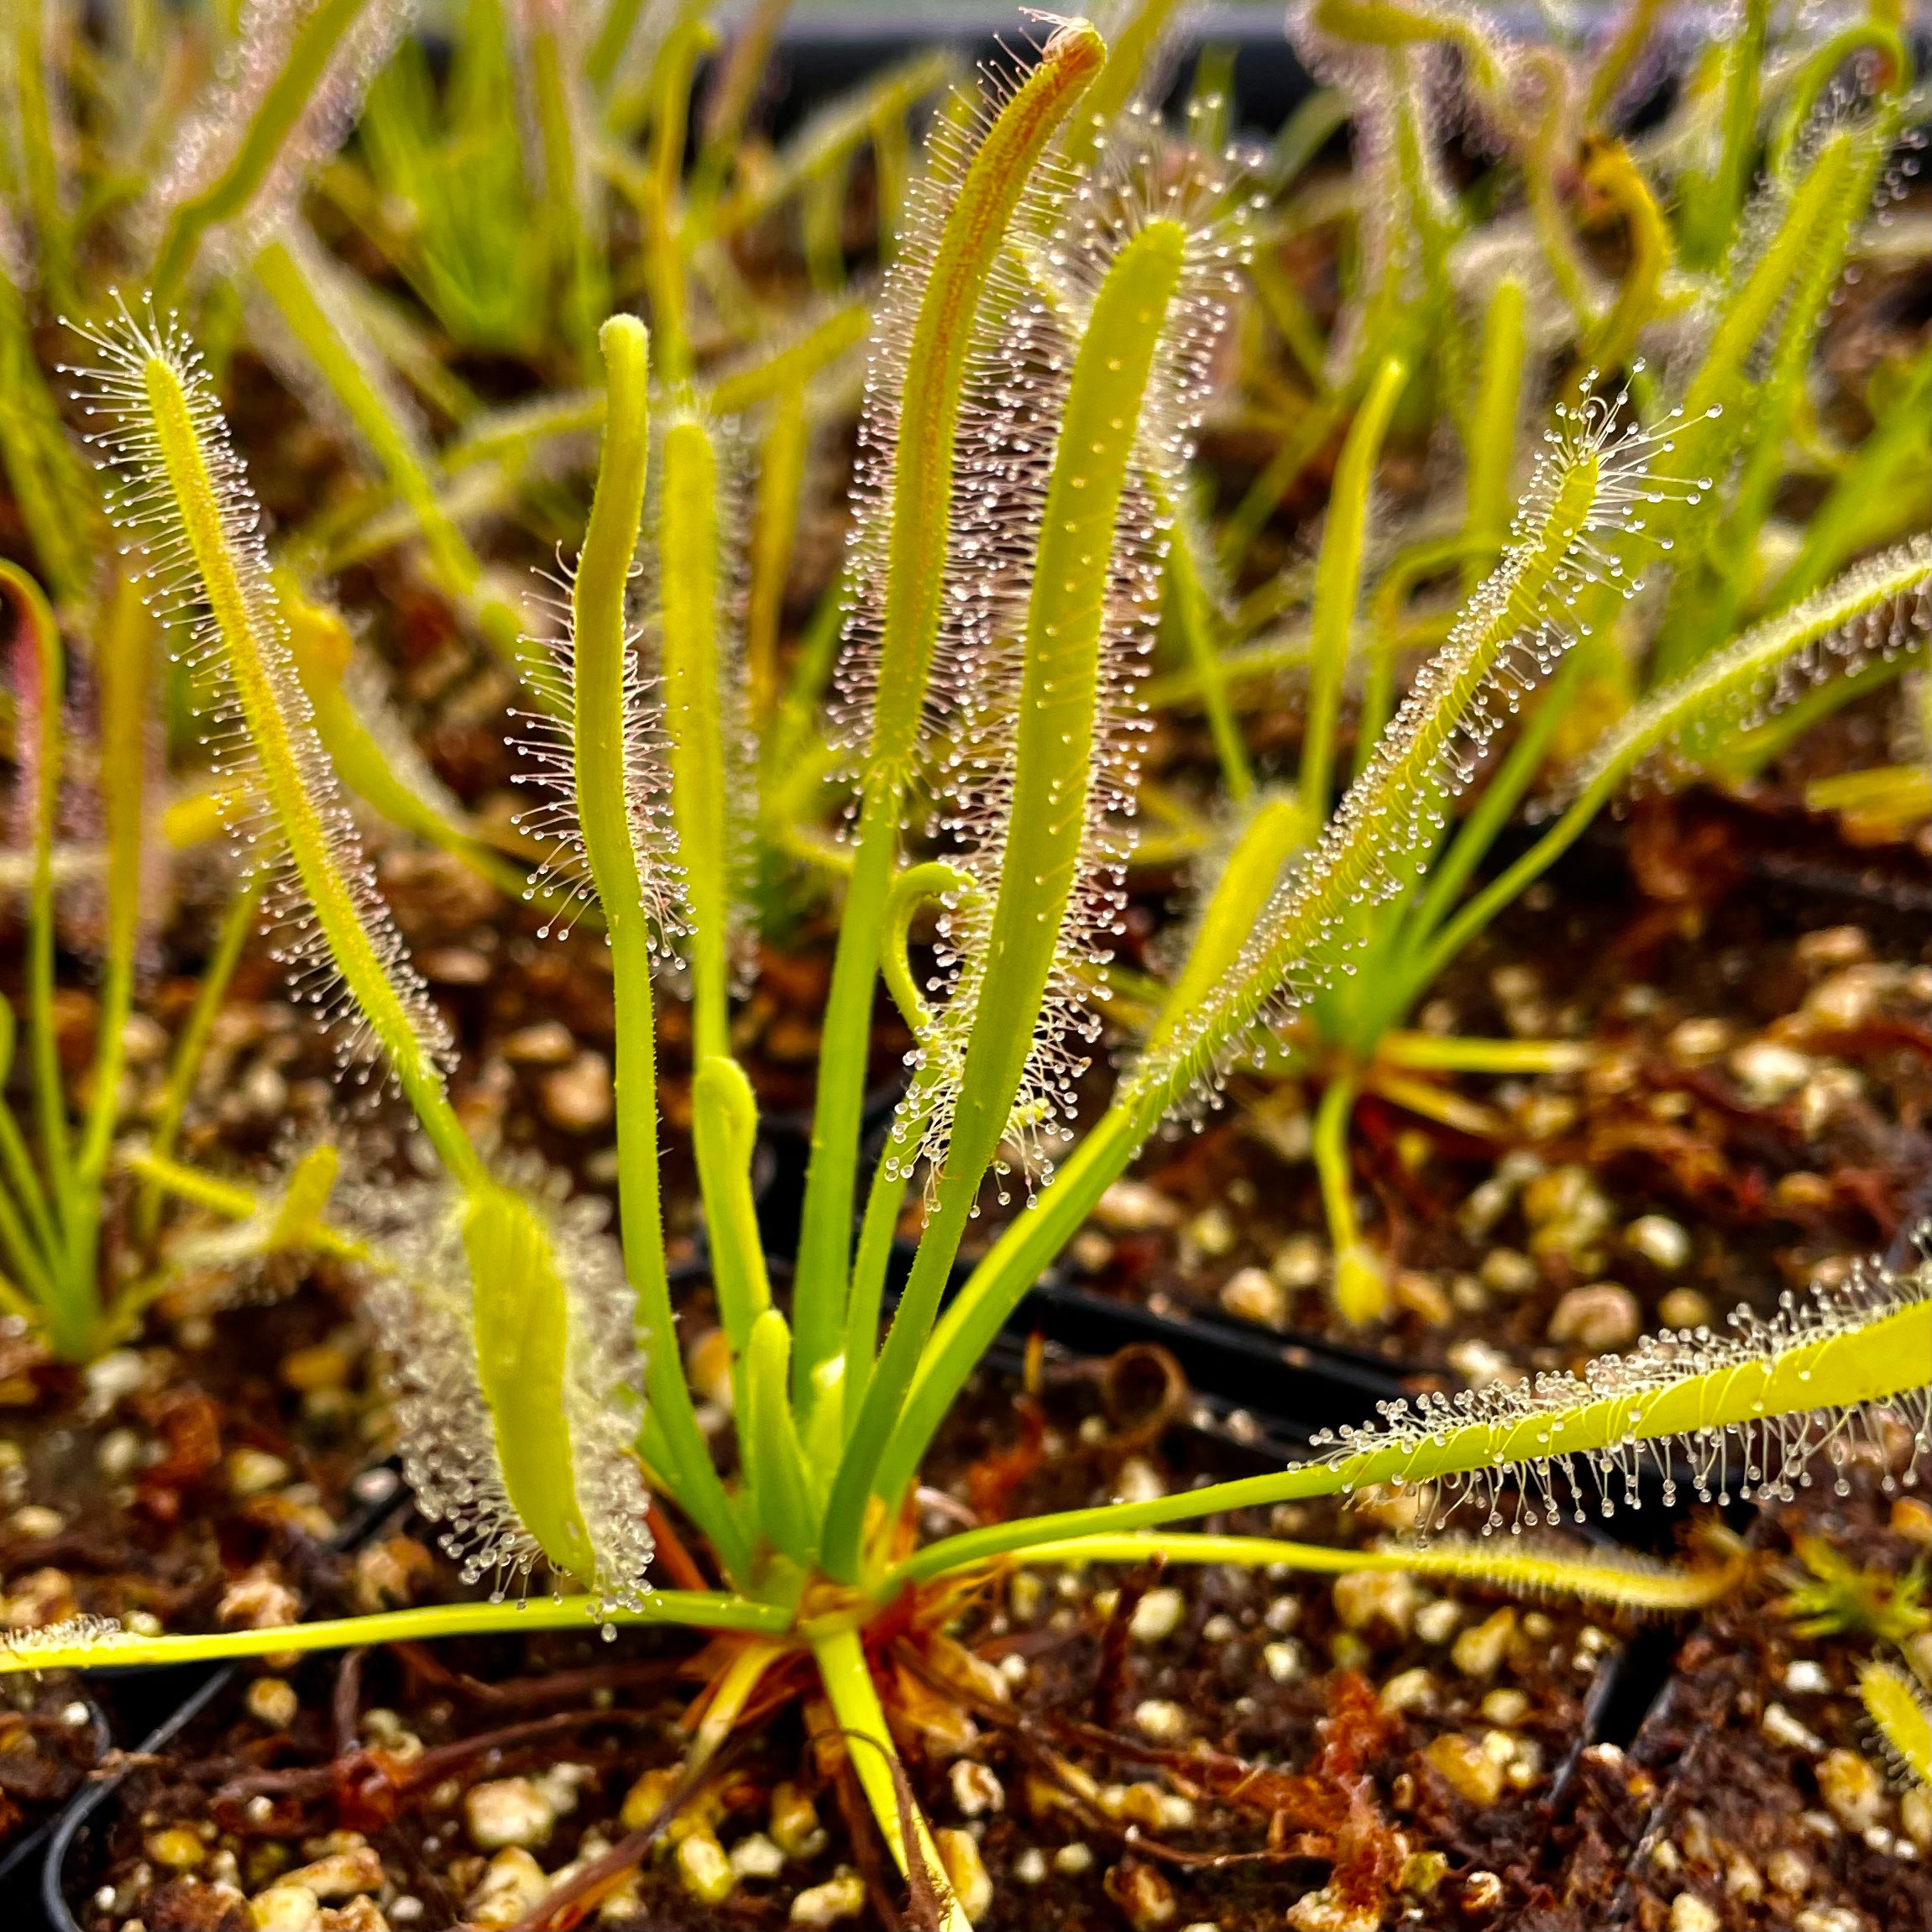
(142, 1704)
(24, 1855)
(73, 1832)
(823, 52)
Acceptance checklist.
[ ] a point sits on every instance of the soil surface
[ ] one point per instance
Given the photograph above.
(1216, 1745)
(1754, 1111)
(1756, 1792)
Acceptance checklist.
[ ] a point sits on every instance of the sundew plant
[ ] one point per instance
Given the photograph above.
(1040, 363)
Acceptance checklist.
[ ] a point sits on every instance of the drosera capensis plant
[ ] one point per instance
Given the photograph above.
(180, 492)
(1023, 451)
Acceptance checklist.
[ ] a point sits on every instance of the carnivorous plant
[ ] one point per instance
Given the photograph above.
(1039, 365)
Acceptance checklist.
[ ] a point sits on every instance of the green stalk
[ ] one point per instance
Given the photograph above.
(1613, 65)
(29, 1248)
(571, 224)
(184, 1069)
(87, 1645)
(1270, 839)
(775, 519)
(57, 502)
(1812, 207)
(42, 716)
(1836, 528)
(664, 253)
(1542, 153)
(291, 283)
(731, 103)
(600, 636)
(1611, 170)
(1297, 450)
(1282, 303)
(787, 370)
(320, 642)
(1192, 611)
(1338, 585)
(1493, 810)
(39, 152)
(1701, 612)
(1361, 1281)
(275, 118)
(297, 1221)
(772, 1454)
(123, 665)
(725, 1131)
(916, 885)
(1399, 23)
(38, 1247)
(1492, 442)
(891, 172)
(1714, 410)
(1632, 1583)
(848, 1681)
(1303, 135)
(614, 31)
(821, 228)
(1046, 831)
(784, 749)
(830, 138)
(1712, 205)
(917, 539)
(1451, 1053)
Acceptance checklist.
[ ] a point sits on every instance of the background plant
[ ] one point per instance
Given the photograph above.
(1742, 216)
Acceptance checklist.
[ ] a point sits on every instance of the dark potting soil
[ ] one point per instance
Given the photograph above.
(1755, 1112)
(1758, 1789)
(1216, 1745)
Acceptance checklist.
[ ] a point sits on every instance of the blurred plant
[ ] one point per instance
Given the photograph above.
(80, 1258)
(1837, 1598)
(1732, 286)
(50, 1209)
(1896, 1707)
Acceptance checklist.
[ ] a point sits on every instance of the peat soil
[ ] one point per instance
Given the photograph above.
(1757, 1786)
(1754, 994)
(1099, 1747)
